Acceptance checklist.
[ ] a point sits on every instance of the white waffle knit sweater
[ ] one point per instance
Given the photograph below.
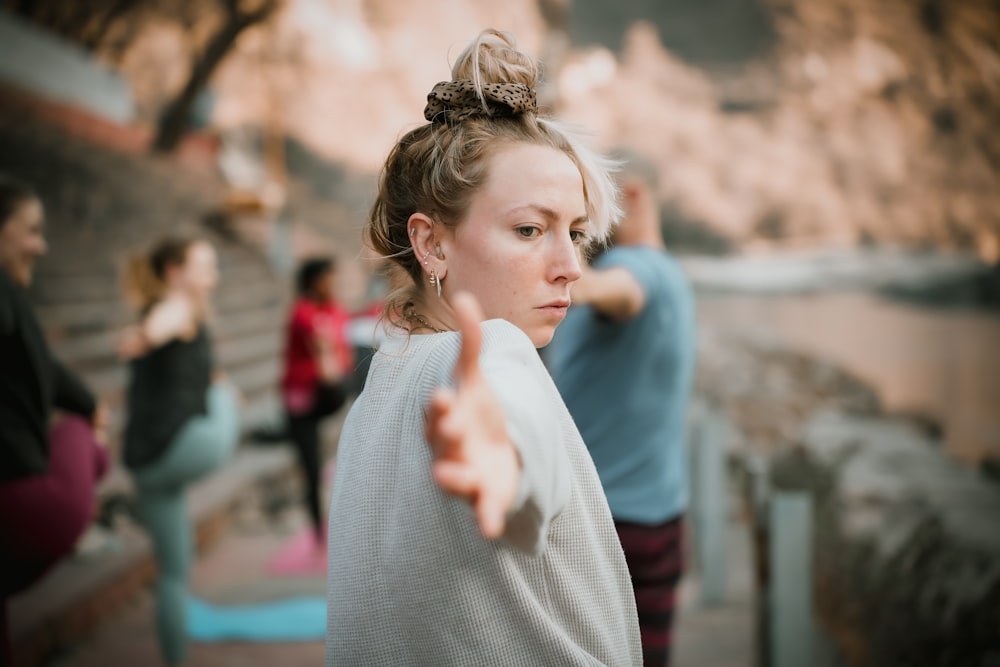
(410, 579)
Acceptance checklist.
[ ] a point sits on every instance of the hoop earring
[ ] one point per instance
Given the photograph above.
(436, 282)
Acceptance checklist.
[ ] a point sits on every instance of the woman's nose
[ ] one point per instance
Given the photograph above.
(565, 260)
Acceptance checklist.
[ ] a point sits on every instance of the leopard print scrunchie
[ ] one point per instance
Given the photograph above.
(454, 101)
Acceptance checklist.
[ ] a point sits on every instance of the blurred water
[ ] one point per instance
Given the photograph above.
(939, 363)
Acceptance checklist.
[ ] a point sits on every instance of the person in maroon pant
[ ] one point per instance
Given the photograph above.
(47, 474)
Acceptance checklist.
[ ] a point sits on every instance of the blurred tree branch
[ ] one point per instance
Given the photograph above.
(110, 27)
(85, 22)
(238, 19)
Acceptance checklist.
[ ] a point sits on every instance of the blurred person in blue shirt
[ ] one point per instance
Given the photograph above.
(623, 361)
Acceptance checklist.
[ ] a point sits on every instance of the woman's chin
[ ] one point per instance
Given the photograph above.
(541, 336)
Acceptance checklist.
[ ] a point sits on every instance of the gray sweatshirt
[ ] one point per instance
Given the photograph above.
(411, 580)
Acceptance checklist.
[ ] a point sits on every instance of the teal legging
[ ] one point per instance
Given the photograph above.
(201, 446)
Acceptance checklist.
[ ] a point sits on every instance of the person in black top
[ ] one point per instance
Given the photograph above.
(181, 424)
(47, 475)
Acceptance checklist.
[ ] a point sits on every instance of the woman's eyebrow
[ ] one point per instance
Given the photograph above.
(545, 212)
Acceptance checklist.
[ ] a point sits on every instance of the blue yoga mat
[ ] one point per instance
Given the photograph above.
(292, 619)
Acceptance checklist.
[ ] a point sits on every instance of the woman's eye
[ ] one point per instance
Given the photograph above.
(578, 236)
(527, 232)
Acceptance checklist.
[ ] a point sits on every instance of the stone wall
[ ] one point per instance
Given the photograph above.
(907, 543)
(906, 540)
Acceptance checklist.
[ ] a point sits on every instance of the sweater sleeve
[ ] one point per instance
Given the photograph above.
(69, 392)
(514, 371)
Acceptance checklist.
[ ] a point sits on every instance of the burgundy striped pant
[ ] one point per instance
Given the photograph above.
(655, 560)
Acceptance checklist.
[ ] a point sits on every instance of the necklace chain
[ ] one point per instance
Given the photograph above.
(414, 316)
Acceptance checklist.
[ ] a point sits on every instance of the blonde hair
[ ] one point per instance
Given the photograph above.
(438, 167)
(145, 273)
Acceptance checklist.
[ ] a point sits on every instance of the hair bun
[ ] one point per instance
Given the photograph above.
(490, 78)
(454, 101)
(494, 58)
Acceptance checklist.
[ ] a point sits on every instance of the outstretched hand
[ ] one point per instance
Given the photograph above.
(473, 456)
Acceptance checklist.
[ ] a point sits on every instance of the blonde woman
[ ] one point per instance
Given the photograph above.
(181, 424)
(467, 523)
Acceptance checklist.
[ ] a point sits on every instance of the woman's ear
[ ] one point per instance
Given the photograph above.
(426, 246)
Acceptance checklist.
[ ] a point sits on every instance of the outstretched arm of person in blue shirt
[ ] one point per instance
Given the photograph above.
(613, 292)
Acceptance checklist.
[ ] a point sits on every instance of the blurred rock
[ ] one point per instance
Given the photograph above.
(906, 538)
(870, 122)
(907, 566)
(769, 391)
(776, 122)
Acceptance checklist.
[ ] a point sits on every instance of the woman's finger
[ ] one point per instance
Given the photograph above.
(490, 517)
(441, 402)
(458, 479)
(469, 316)
(439, 427)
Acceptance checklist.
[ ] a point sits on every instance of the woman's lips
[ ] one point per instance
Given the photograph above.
(556, 308)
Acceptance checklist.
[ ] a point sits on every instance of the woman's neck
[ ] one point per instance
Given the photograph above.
(424, 316)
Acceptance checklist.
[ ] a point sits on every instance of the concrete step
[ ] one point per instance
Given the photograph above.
(76, 246)
(71, 320)
(96, 286)
(56, 288)
(260, 410)
(89, 351)
(81, 255)
(235, 324)
(238, 351)
(64, 320)
(257, 294)
(259, 375)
